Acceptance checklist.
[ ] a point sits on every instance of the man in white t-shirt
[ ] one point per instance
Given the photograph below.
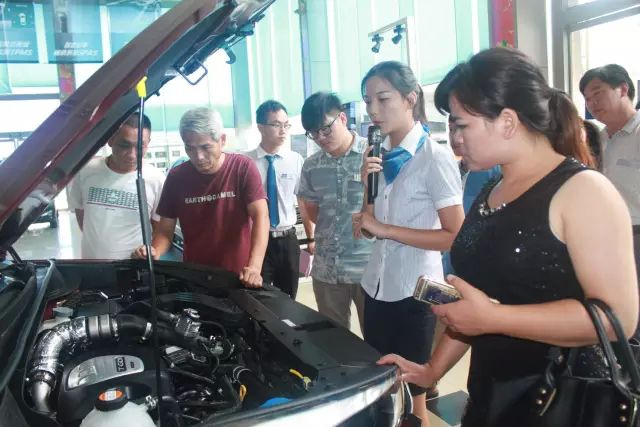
(104, 196)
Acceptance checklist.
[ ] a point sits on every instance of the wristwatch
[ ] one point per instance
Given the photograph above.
(310, 239)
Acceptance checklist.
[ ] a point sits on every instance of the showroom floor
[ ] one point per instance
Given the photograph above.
(42, 242)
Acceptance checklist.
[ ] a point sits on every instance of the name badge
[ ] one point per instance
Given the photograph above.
(287, 176)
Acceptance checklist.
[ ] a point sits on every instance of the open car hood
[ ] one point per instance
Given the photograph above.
(176, 43)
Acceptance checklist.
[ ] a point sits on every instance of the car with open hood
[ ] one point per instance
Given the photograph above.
(77, 336)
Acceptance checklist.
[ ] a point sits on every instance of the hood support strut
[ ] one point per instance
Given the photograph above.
(145, 224)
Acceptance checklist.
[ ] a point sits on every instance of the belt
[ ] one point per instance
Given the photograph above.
(283, 233)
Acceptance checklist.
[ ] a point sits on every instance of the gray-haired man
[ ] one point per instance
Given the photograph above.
(219, 199)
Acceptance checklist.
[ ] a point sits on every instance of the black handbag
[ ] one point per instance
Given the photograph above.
(559, 399)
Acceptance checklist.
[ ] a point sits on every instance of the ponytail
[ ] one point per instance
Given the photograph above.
(419, 110)
(565, 129)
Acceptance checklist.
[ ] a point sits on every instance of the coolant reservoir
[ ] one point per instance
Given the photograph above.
(113, 409)
(60, 315)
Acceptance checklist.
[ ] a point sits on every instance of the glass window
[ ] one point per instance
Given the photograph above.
(571, 3)
(33, 75)
(275, 59)
(25, 116)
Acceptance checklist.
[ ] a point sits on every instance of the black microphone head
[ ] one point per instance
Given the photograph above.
(374, 135)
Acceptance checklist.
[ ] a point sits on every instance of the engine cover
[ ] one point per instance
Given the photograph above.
(85, 377)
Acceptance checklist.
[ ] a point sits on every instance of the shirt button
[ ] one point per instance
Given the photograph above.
(337, 238)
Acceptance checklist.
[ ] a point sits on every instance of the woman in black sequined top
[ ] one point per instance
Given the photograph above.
(540, 239)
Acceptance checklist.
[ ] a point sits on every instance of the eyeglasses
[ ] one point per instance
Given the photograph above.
(324, 130)
(285, 126)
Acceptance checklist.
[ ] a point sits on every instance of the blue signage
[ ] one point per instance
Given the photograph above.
(18, 41)
(73, 31)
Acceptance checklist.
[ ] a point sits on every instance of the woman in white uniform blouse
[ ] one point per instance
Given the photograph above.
(417, 214)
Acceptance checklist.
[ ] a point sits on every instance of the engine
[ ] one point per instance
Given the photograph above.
(214, 359)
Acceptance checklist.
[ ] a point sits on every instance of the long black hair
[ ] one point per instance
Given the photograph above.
(401, 77)
(500, 78)
(594, 142)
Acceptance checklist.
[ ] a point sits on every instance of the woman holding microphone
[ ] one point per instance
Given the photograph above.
(416, 215)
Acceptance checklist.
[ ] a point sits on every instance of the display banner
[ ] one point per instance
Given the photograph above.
(18, 41)
(73, 31)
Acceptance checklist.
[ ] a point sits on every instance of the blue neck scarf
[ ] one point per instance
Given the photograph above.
(393, 160)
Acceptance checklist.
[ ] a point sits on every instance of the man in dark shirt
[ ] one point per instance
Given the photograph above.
(220, 201)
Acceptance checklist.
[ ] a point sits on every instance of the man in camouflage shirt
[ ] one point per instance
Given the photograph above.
(332, 190)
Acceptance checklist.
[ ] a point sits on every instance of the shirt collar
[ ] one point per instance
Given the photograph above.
(633, 123)
(358, 145)
(261, 153)
(629, 128)
(410, 142)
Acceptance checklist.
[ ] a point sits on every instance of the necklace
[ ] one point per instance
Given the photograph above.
(483, 207)
(485, 210)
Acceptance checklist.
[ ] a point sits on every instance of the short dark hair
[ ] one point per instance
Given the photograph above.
(135, 118)
(317, 107)
(270, 106)
(613, 74)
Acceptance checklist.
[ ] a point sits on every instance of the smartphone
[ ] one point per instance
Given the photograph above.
(433, 292)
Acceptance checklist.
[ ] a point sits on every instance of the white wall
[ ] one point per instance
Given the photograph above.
(531, 31)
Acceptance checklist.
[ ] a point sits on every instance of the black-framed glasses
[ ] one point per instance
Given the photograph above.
(278, 125)
(324, 130)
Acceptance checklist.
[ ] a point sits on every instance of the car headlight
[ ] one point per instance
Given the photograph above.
(402, 404)
(334, 411)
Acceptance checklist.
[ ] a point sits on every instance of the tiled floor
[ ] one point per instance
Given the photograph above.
(42, 242)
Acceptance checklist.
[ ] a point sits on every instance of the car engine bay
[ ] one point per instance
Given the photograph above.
(214, 359)
(223, 351)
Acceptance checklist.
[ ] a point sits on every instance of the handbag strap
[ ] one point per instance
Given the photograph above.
(625, 355)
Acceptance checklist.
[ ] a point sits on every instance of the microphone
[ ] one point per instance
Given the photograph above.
(375, 140)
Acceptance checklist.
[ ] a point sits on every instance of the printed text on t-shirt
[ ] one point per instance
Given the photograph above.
(210, 197)
(113, 198)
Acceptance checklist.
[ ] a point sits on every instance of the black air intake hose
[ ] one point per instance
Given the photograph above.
(143, 306)
(131, 326)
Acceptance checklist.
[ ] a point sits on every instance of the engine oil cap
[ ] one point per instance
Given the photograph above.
(111, 400)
